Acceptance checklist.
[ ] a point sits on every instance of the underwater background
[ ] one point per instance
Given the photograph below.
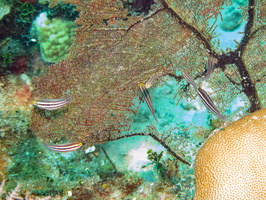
(137, 121)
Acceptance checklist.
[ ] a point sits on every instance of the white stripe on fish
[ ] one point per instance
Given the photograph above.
(189, 79)
(205, 98)
(64, 147)
(210, 68)
(52, 104)
(149, 82)
(207, 101)
(148, 100)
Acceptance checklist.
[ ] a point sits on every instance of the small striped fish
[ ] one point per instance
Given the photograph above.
(52, 104)
(207, 101)
(64, 147)
(210, 68)
(189, 79)
(147, 98)
(149, 82)
(205, 98)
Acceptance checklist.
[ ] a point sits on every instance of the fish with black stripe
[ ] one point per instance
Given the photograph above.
(64, 147)
(205, 98)
(52, 104)
(147, 98)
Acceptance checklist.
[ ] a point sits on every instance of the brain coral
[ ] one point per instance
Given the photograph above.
(232, 163)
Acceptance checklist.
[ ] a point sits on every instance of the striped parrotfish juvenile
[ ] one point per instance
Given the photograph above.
(147, 99)
(52, 104)
(64, 147)
(205, 98)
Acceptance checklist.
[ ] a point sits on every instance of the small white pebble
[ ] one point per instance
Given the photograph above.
(25, 78)
(90, 149)
(69, 193)
(255, 117)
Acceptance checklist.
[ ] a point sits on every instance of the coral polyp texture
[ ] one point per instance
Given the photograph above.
(114, 51)
(232, 162)
(54, 36)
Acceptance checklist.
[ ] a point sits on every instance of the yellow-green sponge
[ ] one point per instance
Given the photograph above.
(54, 37)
